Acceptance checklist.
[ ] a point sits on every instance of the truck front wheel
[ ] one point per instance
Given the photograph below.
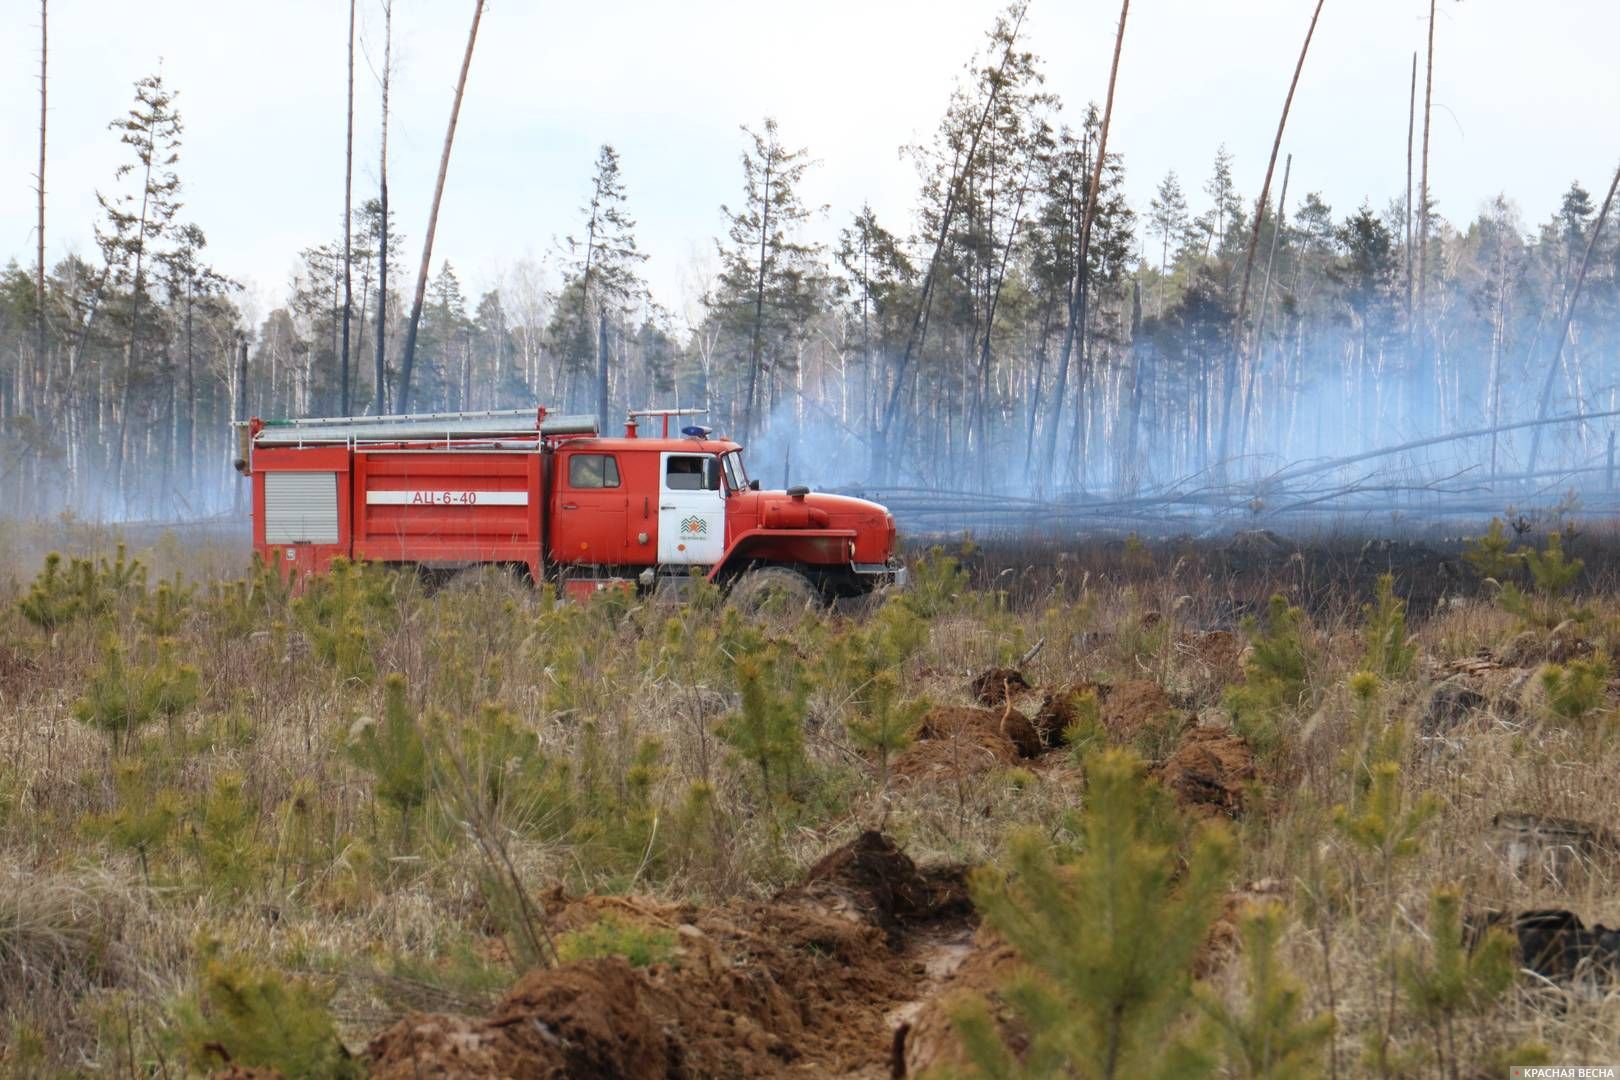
(772, 591)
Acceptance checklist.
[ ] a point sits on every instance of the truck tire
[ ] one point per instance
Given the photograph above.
(772, 591)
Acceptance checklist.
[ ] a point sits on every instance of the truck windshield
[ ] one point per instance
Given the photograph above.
(736, 475)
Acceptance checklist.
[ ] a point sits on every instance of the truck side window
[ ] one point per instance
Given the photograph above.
(692, 472)
(593, 471)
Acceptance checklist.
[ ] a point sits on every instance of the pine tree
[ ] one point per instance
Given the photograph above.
(1388, 652)
(395, 753)
(136, 225)
(1266, 1038)
(767, 285)
(604, 274)
(1109, 935)
(1167, 219)
(1447, 980)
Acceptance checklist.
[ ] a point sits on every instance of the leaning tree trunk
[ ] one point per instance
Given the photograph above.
(1239, 348)
(1265, 300)
(1420, 325)
(433, 217)
(1569, 315)
(1078, 296)
(919, 323)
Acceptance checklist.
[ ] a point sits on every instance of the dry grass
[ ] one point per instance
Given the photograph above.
(94, 949)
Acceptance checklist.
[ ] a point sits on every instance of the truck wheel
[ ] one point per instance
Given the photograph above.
(772, 591)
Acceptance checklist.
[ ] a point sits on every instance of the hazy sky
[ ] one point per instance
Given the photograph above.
(1525, 100)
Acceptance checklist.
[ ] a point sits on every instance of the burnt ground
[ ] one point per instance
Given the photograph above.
(1233, 574)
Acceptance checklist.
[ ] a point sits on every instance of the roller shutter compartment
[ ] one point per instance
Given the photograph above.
(300, 508)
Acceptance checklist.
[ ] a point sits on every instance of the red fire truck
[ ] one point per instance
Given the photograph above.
(548, 496)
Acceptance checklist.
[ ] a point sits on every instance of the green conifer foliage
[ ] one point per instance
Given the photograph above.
(1575, 691)
(1552, 575)
(767, 732)
(145, 816)
(341, 613)
(395, 753)
(1389, 653)
(122, 698)
(1445, 982)
(1490, 554)
(938, 581)
(246, 1015)
(238, 608)
(882, 725)
(87, 589)
(1109, 937)
(223, 837)
(1266, 1038)
(163, 611)
(1276, 675)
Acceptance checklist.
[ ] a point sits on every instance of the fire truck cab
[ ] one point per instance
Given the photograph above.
(552, 497)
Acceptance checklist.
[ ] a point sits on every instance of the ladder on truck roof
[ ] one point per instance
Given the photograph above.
(525, 424)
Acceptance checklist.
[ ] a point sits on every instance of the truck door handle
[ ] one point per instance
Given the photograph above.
(644, 504)
(570, 506)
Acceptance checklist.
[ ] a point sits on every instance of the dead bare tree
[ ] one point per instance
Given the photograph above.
(1411, 126)
(1569, 315)
(1077, 295)
(433, 217)
(39, 270)
(919, 323)
(1265, 300)
(1239, 349)
(348, 223)
(1420, 324)
(380, 404)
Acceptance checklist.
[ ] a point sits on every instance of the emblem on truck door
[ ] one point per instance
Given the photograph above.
(694, 526)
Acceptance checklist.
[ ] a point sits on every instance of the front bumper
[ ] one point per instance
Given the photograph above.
(881, 574)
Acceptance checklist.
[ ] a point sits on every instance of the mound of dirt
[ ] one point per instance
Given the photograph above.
(927, 1039)
(1211, 660)
(1209, 770)
(871, 879)
(1224, 938)
(998, 685)
(584, 1020)
(1132, 705)
(1057, 712)
(947, 723)
(804, 981)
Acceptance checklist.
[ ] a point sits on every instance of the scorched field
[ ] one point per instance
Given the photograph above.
(1241, 808)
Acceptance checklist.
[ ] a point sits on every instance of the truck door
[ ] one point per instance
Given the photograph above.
(691, 509)
(589, 525)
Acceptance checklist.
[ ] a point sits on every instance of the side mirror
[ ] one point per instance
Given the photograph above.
(753, 485)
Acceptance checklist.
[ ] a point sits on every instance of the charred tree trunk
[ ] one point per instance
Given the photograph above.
(1265, 300)
(1420, 325)
(919, 324)
(39, 269)
(1079, 295)
(348, 223)
(433, 216)
(1411, 127)
(759, 305)
(601, 370)
(1569, 315)
(380, 403)
(1237, 357)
